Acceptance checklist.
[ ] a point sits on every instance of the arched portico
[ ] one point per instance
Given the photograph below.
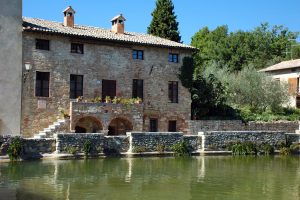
(88, 125)
(119, 126)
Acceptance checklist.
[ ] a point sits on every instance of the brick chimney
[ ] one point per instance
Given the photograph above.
(69, 17)
(118, 25)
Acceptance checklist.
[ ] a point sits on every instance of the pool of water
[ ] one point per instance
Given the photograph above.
(216, 177)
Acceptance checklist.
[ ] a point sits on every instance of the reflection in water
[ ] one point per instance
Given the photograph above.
(129, 173)
(154, 178)
(201, 169)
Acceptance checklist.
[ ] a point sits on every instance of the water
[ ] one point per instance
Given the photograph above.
(196, 178)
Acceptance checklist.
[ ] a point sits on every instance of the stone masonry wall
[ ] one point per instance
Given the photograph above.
(219, 140)
(31, 147)
(196, 126)
(150, 141)
(101, 60)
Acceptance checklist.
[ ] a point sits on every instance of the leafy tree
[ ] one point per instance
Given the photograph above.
(260, 47)
(164, 22)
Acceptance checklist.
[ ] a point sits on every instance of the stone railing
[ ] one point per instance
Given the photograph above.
(196, 126)
(220, 140)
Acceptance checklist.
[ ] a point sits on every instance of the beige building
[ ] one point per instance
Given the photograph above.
(288, 72)
(66, 60)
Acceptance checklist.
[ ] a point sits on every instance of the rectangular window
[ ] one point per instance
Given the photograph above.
(138, 54)
(153, 125)
(42, 44)
(173, 57)
(172, 126)
(76, 86)
(138, 88)
(108, 88)
(298, 85)
(173, 91)
(76, 48)
(42, 84)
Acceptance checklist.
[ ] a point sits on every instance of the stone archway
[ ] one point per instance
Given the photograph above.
(88, 125)
(119, 126)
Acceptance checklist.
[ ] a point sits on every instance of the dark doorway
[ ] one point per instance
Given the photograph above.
(108, 88)
(79, 129)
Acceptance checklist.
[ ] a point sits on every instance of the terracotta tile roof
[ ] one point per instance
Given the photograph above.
(40, 25)
(283, 65)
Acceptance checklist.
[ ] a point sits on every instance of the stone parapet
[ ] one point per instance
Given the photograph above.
(220, 140)
(196, 126)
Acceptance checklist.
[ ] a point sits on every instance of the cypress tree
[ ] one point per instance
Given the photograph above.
(164, 22)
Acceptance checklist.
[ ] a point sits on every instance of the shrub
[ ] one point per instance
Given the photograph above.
(181, 149)
(267, 149)
(160, 148)
(15, 149)
(139, 149)
(243, 148)
(285, 151)
(295, 148)
(87, 147)
(72, 150)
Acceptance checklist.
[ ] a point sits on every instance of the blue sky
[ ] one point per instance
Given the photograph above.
(191, 14)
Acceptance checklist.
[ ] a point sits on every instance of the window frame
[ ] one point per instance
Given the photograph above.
(42, 85)
(174, 57)
(138, 88)
(173, 91)
(40, 45)
(137, 54)
(74, 92)
(77, 48)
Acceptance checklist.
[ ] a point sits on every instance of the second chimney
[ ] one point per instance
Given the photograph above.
(118, 25)
(69, 13)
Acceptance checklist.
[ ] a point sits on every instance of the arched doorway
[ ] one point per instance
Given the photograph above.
(88, 125)
(119, 126)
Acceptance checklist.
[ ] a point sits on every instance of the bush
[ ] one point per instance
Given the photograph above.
(72, 150)
(160, 148)
(15, 149)
(139, 149)
(181, 149)
(285, 151)
(87, 147)
(245, 148)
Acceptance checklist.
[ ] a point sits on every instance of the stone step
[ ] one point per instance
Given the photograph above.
(52, 127)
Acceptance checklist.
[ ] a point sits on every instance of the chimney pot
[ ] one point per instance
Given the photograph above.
(118, 24)
(69, 13)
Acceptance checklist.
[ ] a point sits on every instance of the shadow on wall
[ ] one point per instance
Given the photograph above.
(4, 130)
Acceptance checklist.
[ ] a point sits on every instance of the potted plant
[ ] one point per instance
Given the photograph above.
(107, 99)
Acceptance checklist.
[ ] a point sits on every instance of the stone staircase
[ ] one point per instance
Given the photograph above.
(51, 130)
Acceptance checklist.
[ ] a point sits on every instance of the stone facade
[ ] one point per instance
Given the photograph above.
(11, 66)
(219, 140)
(196, 126)
(101, 60)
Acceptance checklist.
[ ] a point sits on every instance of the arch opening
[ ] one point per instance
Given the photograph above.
(88, 125)
(119, 126)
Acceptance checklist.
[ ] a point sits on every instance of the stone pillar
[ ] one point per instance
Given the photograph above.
(11, 66)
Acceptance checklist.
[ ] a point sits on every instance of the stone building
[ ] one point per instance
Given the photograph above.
(287, 72)
(67, 60)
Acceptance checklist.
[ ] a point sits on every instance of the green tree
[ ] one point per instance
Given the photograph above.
(164, 22)
(260, 47)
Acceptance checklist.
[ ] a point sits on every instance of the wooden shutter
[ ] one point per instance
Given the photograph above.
(293, 83)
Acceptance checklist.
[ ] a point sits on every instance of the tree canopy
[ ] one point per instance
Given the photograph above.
(260, 47)
(164, 22)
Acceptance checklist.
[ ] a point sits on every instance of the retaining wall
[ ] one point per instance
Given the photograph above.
(151, 142)
(196, 126)
(220, 140)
